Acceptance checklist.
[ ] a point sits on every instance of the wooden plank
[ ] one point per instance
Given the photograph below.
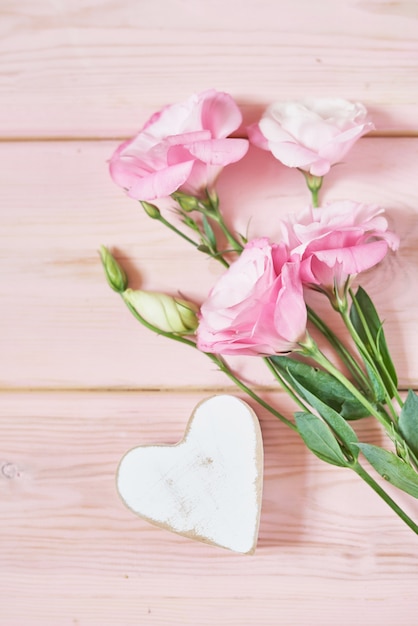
(63, 327)
(71, 553)
(101, 69)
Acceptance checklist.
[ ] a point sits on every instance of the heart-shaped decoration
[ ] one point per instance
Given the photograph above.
(208, 486)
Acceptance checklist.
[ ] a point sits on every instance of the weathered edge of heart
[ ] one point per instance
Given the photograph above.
(259, 462)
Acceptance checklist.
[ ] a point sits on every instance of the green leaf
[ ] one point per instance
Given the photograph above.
(364, 318)
(392, 468)
(332, 392)
(210, 235)
(408, 421)
(379, 392)
(335, 421)
(319, 439)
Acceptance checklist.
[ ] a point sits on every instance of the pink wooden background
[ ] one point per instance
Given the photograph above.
(81, 382)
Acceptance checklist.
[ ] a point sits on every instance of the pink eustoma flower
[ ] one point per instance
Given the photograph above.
(183, 147)
(257, 306)
(338, 241)
(311, 135)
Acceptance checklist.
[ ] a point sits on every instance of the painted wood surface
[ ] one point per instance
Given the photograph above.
(96, 68)
(81, 382)
(72, 554)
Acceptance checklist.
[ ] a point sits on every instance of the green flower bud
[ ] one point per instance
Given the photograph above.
(171, 315)
(314, 182)
(151, 210)
(213, 198)
(115, 275)
(187, 203)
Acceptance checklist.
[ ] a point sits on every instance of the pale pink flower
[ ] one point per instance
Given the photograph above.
(311, 135)
(338, 240)
(183, 147)
(257, 306)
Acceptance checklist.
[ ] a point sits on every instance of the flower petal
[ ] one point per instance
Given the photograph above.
(220, 114)
(162, 183)
(219, 151)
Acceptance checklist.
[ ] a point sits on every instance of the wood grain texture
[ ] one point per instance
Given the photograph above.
(62, 327)
(99, 68)
(71, 553)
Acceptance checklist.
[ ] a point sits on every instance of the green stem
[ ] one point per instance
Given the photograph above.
(310, 349)
(362, 347)
(285, 385)
(314, 184)
(339, 347)
(315, 198)
(174, 336)
(216, 359)
(176, 230)
(235, 245)
(357, 468)
(155, 214)
(360, 471)
(217, 256)
(211, 210)
(226, 370)
(371, 363)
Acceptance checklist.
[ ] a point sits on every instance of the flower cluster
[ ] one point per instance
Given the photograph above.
(258, 307)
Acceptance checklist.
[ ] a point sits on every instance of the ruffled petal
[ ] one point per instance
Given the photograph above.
(220, 114)
(162, 183)
(219, 151)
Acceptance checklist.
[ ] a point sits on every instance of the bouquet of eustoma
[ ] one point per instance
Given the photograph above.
(259, 306)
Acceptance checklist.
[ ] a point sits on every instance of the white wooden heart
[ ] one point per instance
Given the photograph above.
(208, 486)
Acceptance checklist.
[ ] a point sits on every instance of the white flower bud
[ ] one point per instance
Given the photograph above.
(166, 313)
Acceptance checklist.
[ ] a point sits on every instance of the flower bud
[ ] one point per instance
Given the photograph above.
(115, 275)
(187, 203)
(171, 315)
(151, 210)
(314, 182)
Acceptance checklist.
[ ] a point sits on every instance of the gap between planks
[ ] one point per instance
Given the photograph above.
(389, 134)
(141, 390)
(148, 390)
